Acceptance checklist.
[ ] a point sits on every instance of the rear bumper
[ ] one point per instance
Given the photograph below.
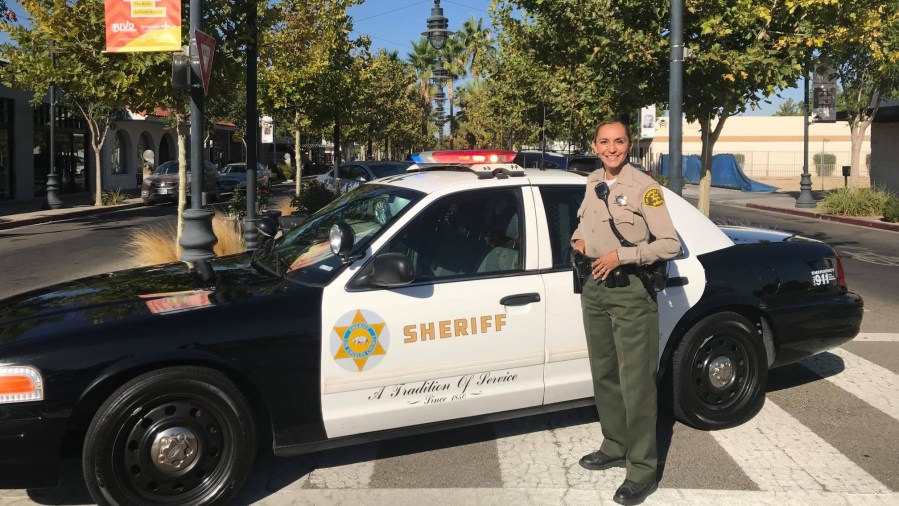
(802, 331)
(30, 446)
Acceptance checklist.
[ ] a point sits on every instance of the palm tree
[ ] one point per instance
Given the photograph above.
(455, 56)
(422, 60)
(478, 41)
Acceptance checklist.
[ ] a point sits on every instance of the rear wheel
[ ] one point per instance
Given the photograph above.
(719, 373)
(174, 436)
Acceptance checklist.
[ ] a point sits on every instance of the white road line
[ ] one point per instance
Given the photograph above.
(866, 380)
(877, 337)
(565, 496)
(780, 454)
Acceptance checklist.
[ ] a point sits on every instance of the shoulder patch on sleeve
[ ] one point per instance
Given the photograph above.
(653, 198)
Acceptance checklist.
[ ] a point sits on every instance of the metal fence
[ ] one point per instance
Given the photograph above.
(788, 164)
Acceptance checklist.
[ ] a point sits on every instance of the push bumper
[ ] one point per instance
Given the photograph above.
(30, 446)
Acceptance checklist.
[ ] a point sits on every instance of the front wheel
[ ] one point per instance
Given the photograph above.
(720, 371)
(174, 436)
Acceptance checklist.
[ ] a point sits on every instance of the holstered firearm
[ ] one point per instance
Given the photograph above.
(580, 270)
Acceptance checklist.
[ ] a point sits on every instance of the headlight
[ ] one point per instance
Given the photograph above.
(20, 384)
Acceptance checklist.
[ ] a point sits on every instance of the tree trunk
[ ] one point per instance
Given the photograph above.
(98, 139)
(857, 134)
(709, 137)
(181, 128)
(298, 159)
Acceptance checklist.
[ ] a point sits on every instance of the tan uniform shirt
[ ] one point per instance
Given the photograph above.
(638, 207)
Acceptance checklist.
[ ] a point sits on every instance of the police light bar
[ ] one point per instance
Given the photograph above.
(464, 157)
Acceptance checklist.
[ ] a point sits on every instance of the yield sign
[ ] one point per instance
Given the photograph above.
(205, 53)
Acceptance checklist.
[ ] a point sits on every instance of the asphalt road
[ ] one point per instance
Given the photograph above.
(828, 434)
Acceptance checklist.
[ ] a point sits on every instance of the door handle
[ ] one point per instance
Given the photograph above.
(520, 299)
(676, 281)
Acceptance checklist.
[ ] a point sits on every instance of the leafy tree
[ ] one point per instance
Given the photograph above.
(862, 40)
(97, 84)
(478, 42)
(6, 14)
(423, 58)
(790, 107)
(454, 55)
(305, 66)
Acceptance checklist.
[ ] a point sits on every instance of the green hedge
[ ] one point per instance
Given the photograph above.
(856, 202)
(825, 163)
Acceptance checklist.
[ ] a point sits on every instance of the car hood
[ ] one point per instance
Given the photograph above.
(130, 294)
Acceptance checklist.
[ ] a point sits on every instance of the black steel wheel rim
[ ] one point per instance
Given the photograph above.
(133, 464)
(734, 350)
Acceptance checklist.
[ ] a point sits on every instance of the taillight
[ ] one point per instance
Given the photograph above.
(841, 275)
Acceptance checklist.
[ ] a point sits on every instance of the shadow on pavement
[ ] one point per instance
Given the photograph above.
(795, 375)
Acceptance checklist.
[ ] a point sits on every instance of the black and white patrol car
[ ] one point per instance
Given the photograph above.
(438, 297)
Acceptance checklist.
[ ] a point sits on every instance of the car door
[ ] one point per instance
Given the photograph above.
(465, 338)
(567, 368)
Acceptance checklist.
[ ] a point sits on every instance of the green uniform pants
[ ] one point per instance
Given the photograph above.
(622, 327)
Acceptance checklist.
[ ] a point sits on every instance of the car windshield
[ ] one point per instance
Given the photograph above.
(389, 169)
(168, 168)
(584, 164)
(230, 169)
(304, 254)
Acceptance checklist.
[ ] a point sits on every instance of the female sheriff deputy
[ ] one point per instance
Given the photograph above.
(624, 227)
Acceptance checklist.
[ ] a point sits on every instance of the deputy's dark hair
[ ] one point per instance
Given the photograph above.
(627, 129)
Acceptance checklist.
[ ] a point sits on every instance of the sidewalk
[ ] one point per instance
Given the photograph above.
(14, 214)
(783, 201)
(22, 213)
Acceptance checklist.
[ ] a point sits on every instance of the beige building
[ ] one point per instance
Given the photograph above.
(771, 147)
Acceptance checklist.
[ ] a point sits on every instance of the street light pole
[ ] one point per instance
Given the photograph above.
(676, 97)
(53, 201)
(437, 34)
(805, 181)
(250, 235)
(198, 238)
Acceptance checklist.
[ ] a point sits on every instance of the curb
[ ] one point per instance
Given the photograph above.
(891, 227)
(36, 220)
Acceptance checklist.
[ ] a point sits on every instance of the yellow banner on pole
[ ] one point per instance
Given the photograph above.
(143, 25)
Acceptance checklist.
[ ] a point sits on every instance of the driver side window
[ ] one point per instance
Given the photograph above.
(464, 235)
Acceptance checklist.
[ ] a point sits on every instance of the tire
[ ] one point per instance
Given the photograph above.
(132, 429)
(706, 400)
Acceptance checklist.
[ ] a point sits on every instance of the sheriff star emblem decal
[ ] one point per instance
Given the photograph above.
(359, 340)
(653, 198)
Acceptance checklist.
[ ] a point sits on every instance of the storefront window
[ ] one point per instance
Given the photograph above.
(119, 154)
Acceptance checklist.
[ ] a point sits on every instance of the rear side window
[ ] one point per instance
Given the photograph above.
(561, 204)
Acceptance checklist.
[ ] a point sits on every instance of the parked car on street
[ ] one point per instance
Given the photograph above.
(162, 184)
(353, 174)
(234, 177)
(437, 297)
(535, 159)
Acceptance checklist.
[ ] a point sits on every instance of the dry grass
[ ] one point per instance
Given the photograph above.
(156, 245)
(282, 204)
(153, 245)
(229, 234)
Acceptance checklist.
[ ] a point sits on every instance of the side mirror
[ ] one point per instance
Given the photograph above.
(391, 269)
(267, 227)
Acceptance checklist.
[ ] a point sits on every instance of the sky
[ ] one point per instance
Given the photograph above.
(394, 24)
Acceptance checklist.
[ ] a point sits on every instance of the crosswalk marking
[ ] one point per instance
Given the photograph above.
(866, 380)
(780, 454)
(877, 337)
(506, 496)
